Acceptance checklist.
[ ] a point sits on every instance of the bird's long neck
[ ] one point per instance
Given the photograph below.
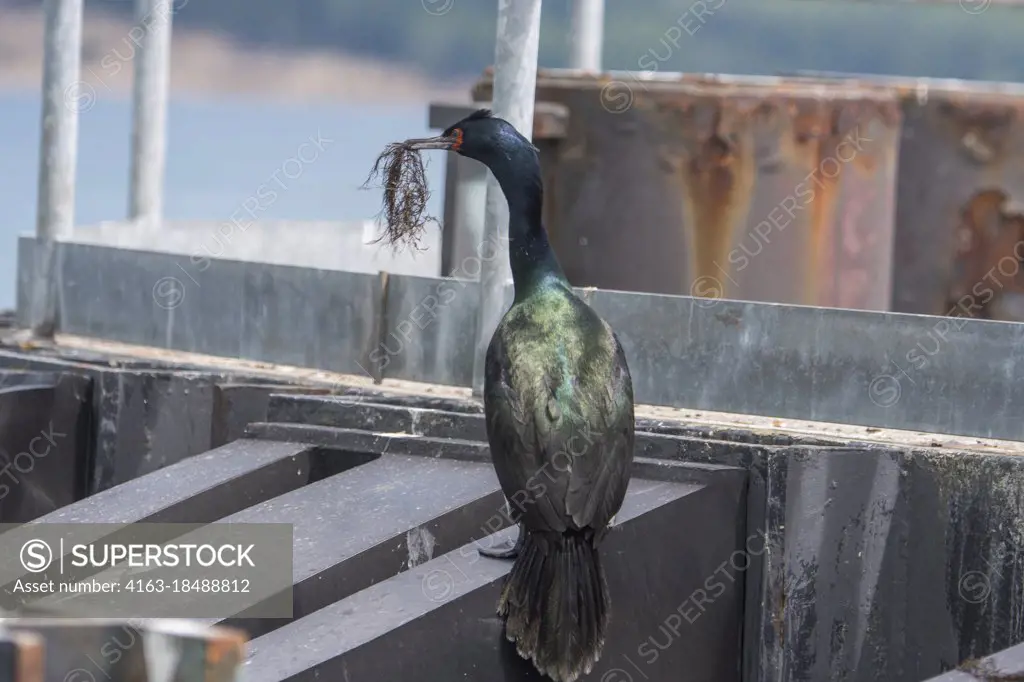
(530, 256)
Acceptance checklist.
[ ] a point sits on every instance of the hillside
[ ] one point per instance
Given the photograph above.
(386, 49)
(207, 62)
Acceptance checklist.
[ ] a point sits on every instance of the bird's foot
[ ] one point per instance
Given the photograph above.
(506, 550)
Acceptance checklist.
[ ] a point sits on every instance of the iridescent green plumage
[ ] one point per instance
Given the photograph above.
(558, 396)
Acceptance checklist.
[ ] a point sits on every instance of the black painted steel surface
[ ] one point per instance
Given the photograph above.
(866, 559)
(44, 443)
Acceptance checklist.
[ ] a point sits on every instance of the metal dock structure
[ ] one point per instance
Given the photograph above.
(819, 297)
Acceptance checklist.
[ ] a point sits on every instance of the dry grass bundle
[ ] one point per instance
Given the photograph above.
(404, 209)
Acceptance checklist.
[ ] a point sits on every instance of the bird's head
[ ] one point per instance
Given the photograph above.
(492, 141)
(480, 136)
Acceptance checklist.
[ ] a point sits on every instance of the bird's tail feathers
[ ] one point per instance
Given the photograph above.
(555, 603)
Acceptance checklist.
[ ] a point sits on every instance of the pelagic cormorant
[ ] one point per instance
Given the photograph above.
(558, 401)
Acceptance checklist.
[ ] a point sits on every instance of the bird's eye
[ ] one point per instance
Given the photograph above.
(457, 134)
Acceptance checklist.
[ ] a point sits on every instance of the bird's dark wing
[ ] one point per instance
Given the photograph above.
(568, 463)
(600, 477)
(518, 448)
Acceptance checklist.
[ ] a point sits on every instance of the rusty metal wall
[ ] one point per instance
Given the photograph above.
(761, 189)
(959, 222)
(959, 216)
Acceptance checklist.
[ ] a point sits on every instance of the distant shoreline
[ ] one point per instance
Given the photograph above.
(205, 64)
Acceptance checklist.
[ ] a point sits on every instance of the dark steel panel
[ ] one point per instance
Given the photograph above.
(204, 488)
(884, 562)
(368, 441)
(873, 538)
(451, 448)
(442, 421)
(235, 406)
(1005, 665)
(436, 621)
(147, 415)
(753, 188)
(137, 411)
(424, 401)
(370, 523)
(887, 561)
(347, 414)
(44, 443)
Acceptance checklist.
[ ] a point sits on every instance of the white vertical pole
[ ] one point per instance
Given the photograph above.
(55, 217)
(469, 208)
(149, 109)
(587, 38)
(515, 84)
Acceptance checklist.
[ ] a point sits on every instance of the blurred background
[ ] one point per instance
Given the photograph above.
(253, 80)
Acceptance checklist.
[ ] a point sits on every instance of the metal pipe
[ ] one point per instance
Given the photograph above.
(515, 83)
(62, 99)
(587, 39)
(152, 36)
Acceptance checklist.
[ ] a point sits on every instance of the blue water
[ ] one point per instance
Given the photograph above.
(219, 153)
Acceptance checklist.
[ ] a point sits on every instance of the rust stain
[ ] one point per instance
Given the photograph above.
(30, 665)
(813, 140)
(704, 128)
(718, 171)
(859, 238)
(818, 284)
(987, 256)
(718, 177)
(225, 651)
(981, 130)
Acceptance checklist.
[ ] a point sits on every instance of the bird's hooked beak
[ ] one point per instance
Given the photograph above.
(439, 142)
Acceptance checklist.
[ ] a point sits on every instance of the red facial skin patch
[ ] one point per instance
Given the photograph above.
(458, 139)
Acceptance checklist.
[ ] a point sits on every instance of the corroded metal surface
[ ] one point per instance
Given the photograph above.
(761, 189)
(959, 218)
(958, 243)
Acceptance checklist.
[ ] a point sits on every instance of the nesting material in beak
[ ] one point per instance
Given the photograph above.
(405, 191)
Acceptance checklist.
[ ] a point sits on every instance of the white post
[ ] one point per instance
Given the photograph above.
(515, 84)
(152, 36)
(587, 38)
(62, 99)
(469, 206)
